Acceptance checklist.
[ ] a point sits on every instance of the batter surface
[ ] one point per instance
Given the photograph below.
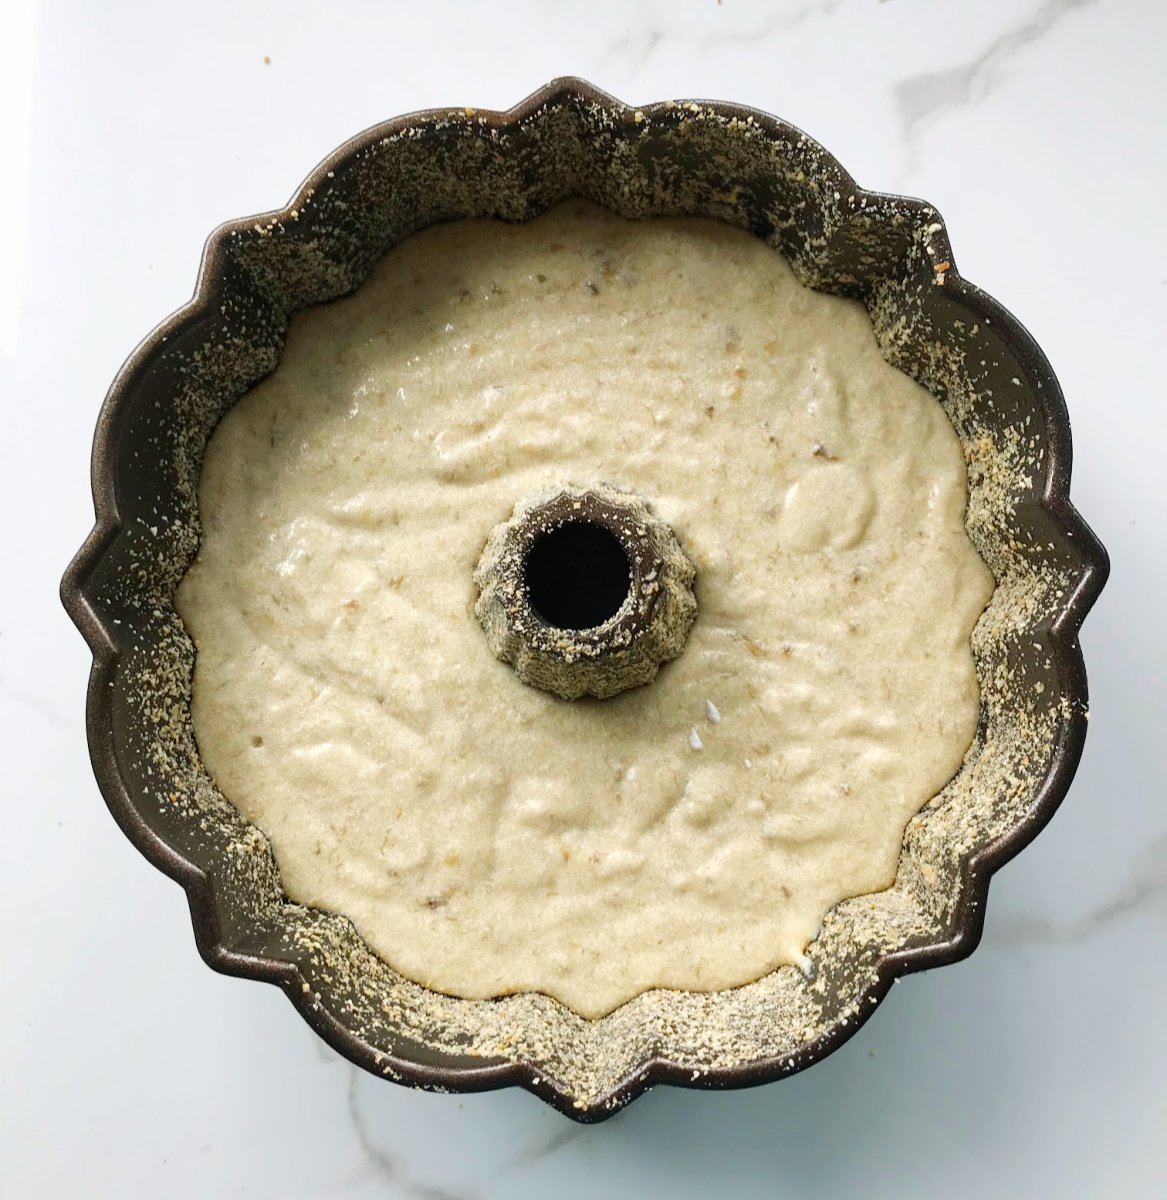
(483, 836)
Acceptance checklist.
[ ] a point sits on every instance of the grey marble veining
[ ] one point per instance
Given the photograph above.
(385, 1164)
(1143, 891)
(922, 98)
(652, 30)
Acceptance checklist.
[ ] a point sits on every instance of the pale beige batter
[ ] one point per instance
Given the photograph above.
(484, 836)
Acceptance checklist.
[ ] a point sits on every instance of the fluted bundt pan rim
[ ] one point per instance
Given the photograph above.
(845, 207)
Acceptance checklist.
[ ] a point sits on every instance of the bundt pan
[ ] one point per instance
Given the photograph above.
(701, 159)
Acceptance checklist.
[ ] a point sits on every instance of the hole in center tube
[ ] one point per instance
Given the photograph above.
(577, 575)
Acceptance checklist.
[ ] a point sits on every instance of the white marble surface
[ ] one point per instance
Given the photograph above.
(129, 1069)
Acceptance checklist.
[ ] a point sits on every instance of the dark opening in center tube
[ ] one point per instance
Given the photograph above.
(577, 575)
